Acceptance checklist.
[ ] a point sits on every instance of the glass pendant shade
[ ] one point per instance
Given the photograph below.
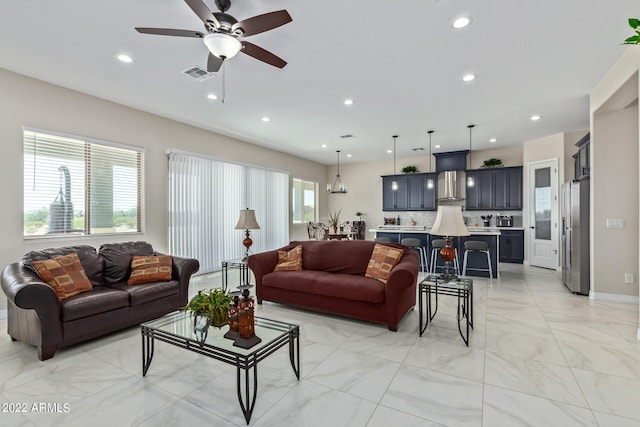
(338, 187)
(221, 45)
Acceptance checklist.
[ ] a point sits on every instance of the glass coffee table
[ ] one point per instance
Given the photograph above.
(434, 284)
(178, 329)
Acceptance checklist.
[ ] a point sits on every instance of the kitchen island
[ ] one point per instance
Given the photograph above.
(491, 235)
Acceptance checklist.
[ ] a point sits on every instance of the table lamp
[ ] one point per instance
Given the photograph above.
(449, 223)
(247, 222)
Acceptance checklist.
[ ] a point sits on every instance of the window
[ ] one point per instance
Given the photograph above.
(304, 201)
(205, 199)
(79, 186)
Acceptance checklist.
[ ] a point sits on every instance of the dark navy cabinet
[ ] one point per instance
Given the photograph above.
(499, 188)
(581, 158)
(420, 196)
(394, 200)
(512, 246)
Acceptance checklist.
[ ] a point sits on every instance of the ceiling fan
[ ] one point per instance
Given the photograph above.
(223, 33)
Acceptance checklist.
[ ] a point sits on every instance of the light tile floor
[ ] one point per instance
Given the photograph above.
(538, 356)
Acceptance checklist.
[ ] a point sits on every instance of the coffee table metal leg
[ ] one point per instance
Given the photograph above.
(294, 353)
(247, 399)
(147, 352)
(435, 291)
(462, 314)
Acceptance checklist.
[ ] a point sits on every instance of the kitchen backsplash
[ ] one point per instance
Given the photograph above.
(472, 218)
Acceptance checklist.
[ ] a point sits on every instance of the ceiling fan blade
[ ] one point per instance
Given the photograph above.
(262, 55)
(203, 11)
(261, 23)
(169, 32)
(213, 63)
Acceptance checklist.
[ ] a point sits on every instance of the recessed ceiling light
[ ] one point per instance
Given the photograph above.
(461, 22)
(124, 58)
(536, 117)
(348, 101)
(436, 146)
(212, 96)
(324, 145)
(389, 151)
(266, 119)
(348, 155)
(492, 140)
(468, 77)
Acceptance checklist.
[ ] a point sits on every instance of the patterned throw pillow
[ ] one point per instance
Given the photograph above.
(382, 261)
(146, 269)
(64, 274)
(290, 261)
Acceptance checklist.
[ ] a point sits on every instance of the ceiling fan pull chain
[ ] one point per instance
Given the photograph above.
(224, 73)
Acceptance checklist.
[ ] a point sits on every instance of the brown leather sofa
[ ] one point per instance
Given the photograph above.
(333, 281)
(37, 317)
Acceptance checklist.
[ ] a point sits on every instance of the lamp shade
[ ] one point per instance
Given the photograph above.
(449, 222)
(247, 220)
(222, 45)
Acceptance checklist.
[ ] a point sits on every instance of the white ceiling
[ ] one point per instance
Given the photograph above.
(401, 61)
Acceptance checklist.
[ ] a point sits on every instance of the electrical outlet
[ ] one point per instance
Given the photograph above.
(628, 277)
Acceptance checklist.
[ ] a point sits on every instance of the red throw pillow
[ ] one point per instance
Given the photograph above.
(382, 261)
(290, 261)
(146, 269)
(64, 274)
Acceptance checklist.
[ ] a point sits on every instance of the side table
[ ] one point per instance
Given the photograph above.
(241, 266)
(462, 288)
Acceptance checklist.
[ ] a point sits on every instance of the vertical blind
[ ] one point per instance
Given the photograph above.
(205, 199)
(78, 185)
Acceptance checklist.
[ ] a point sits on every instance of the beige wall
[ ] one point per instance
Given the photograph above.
(42, 105)
(614, 165)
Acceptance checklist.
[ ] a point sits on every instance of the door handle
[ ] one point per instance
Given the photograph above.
(532, 226)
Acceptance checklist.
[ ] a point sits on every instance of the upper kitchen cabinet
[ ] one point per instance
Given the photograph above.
(581, 158)
(421, 196)
(394, 200)
(507, 188)
(499, 188)
(480, 195)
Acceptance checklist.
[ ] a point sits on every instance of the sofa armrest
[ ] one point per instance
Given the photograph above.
(182, 270)
(26, 290)
(404, 275)
(261, 264)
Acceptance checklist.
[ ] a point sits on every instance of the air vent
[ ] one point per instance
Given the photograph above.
(347, 136)
(198, 73)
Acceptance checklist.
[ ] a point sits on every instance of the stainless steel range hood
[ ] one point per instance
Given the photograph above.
(448, 183)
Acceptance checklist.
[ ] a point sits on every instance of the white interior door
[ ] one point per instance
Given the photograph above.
(543, 214)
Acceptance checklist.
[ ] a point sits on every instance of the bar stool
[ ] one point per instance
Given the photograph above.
(436, 245)
(416, 244)
(476, 246)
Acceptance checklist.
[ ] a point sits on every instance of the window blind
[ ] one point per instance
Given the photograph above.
(80, 186)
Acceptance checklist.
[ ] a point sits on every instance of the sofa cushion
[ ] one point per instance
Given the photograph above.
(290, 260)
(89, 258)
(64, 274)
(145, 269)
(345, 286)
(382, 261)
(101, 299)
(335, 256)
(117, 259)
(145, 292)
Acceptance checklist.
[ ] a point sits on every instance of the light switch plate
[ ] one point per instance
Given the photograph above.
(615, 223)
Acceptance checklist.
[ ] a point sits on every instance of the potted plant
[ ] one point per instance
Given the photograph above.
(492, 163)
(409, 169)
(359, 215)
(334, 220)
(213, 303)
(635, 24)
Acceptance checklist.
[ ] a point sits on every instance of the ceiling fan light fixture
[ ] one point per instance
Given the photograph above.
(222, 45)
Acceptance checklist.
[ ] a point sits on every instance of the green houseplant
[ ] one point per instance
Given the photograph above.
(492, 163)
(635, 39)
(409, 169)
(214, 303)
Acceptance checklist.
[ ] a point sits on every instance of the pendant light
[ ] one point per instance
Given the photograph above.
(394, 184)
(470, 181)
(338, 186)
(430, 180)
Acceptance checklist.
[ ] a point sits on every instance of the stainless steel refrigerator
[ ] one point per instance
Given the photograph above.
(575, 236)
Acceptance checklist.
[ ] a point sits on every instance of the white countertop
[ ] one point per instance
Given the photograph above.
(478, 231)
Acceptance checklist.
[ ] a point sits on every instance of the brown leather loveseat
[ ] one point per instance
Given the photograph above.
(36, 315)
(332, 280)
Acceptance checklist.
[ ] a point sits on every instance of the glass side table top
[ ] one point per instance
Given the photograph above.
(239, 262)
(434, 280)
